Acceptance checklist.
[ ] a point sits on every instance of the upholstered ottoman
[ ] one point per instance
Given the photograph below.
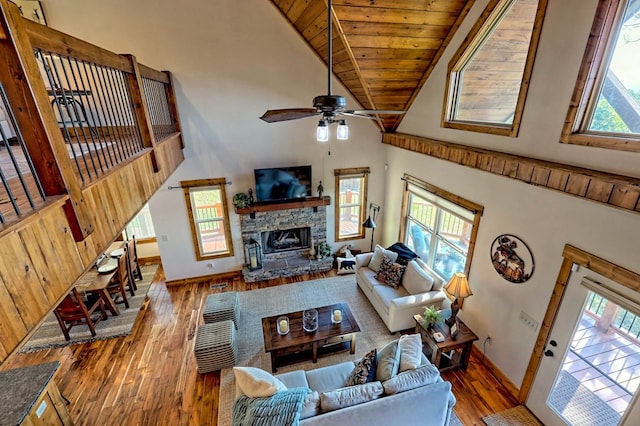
(215, 346)
(222, 307)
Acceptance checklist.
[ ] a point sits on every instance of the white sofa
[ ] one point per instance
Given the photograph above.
(420, 287)
(414, 397)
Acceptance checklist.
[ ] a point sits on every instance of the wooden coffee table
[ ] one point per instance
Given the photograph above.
(299, 345)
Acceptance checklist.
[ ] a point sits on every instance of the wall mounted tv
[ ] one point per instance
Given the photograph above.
(283, 183)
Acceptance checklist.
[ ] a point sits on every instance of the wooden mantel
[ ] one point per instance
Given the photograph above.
(284, 205)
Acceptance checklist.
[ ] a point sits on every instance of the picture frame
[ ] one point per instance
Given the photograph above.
(453, 330)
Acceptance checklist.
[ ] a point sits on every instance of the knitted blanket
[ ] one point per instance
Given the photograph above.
(283, 408)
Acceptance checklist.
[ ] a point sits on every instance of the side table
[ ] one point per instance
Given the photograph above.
(450, 354)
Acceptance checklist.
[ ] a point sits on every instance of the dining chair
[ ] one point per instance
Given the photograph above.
(73, 310)
(120, 281)
(132, 254)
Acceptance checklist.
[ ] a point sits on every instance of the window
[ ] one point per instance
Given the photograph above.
(141, 226)
(440, 227)
(489, 74)
(209, 217)
(351, 201)
(605, 109)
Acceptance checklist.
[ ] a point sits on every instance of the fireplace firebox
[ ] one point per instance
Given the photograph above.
(286, 239)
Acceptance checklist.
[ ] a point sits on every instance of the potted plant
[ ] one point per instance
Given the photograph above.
(324, 249)
(241, 200)
(431, 316)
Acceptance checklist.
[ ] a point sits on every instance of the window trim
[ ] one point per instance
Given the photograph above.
(216, 183)
(466, 49)
(476, 209)
(596, 55)
(349, 173)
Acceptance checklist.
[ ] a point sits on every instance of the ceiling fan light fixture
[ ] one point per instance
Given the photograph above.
(343, 130)
(322, 131)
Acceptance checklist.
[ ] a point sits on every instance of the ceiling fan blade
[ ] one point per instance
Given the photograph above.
(370, 117)
(276, 115)
(376, 111)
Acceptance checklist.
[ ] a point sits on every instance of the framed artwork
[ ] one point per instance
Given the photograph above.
(31, 9)
(512, 258)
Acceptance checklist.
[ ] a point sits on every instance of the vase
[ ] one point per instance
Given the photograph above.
(310, 320)
(312, 250)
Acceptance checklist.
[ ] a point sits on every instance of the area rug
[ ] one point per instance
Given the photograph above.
(49, 335)
(577, 404)
(517, 416)
(256, 304)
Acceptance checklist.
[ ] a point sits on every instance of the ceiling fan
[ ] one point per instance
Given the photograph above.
(330, 107)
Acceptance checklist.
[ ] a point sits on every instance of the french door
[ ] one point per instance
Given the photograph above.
(590, 370)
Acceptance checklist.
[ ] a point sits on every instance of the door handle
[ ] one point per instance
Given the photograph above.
(548, 352)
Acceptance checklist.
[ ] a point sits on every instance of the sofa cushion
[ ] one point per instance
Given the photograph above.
(438, 282)
(346, 265)
(378, 254)
(352, 395)
(364, 371)
(405, 254)
(411, 379)
(386, 294)
(255, 382)
(410, 351)
(390, 272)
(294, 379)
(311, 405)
(330, 377)
(388, 361)
(416, 280)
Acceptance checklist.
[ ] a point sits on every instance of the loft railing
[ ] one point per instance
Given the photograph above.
(78, 112)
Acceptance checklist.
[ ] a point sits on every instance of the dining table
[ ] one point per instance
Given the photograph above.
(96, 280)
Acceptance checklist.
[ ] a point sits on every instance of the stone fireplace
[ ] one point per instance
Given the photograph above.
(285, 236)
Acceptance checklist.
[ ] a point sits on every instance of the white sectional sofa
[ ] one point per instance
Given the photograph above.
(420, 287)
(417, 396)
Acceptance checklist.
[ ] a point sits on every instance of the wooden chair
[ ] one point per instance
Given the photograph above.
(74, 311)
(120, 281)
(132, 255)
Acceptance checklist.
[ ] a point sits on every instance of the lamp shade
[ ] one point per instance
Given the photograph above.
(458, 286)
(369, 223)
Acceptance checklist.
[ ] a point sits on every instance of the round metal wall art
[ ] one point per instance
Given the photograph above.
(512, 258)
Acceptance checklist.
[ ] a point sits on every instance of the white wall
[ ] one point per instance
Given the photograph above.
(231, 60)
(544, 219)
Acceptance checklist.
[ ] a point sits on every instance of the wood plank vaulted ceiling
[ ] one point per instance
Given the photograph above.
(383, 50)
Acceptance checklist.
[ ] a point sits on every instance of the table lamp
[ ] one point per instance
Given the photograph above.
(457, 288)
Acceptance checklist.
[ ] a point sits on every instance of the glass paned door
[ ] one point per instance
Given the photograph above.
(598, 373)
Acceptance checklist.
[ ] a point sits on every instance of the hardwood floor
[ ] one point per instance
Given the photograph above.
(150, 377)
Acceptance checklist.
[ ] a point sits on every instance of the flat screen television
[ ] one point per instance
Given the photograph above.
(283, 183)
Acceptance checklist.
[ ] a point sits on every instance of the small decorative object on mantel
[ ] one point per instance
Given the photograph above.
(320, 190)
(241, 200)
(512, 258)
(250, 193)
(312, 250)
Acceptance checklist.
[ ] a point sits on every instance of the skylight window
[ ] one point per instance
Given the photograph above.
(489, 75)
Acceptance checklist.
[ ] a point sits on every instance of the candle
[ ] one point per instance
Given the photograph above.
(284, 327)
(337, 315)
(254, 262)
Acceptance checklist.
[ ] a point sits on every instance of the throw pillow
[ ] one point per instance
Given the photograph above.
(411, 379)
(311, 405)
(390, 272)
(438, 281)
(346, 397)
(388, 361)
(255, 382)
(346, 265)
(378, 255)
(415, 279)
(364, 371)
(410, 351)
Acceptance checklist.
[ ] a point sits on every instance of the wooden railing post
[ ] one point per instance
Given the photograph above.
(27, 95)
(173, 106)
(142, 113)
